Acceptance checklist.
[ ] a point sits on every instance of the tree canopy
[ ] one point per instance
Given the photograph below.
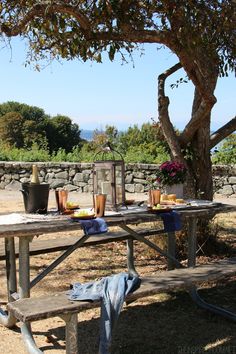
(200, 32)
(22, 125)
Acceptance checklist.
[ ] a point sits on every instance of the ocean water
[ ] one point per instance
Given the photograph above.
(86, 134)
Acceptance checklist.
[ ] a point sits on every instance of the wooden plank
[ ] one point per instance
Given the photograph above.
(64, 224)
(33, 309)
(62, 242)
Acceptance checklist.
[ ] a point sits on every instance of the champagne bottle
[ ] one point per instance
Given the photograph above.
(35, 176)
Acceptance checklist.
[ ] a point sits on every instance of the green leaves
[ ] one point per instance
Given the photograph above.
(178, 82)
(190, 28)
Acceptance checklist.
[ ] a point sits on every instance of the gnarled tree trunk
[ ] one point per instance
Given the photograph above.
(195, 138)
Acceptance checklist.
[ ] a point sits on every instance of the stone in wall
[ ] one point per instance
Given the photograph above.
(49, 177)
(61, 175)
(13, 186)
(88, 189)
(138, 174)
(86, 176)
(90, 182)
(71, 187)
(226, 190)
(24, 180)
(79, 177)
(139, 188)
(129, 188)
(42, 173)
(232, 180)
(140, 181)
(72, 172)
(57, 183)
(129, 178)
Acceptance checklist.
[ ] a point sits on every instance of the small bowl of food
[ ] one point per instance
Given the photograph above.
(72, 206)
(83, 214)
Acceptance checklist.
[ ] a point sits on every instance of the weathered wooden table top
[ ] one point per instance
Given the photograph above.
(59, 223)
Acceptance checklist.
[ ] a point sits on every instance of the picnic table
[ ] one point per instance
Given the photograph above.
(34, 225)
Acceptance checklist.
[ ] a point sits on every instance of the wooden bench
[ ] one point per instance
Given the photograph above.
(61, 243)
(34, 309)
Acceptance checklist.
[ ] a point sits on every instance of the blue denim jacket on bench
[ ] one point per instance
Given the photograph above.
(112, 291)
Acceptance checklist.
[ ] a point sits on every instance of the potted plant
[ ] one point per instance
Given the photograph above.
(172, 175)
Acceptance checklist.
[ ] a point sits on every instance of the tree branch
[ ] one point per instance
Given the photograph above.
(43, 10)
(163, 104)
(200, 110)
(223, 132)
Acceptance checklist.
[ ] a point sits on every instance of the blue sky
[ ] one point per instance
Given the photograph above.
(95, 95)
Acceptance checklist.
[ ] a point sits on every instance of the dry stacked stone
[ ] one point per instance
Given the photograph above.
(78, 176)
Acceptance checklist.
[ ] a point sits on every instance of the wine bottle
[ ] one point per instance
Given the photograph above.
(35, 176)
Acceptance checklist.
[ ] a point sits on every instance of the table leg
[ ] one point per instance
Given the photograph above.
(192, 242)
(130, 257)
(24, 291)
(151, 244)
(10, 267)
(212, 308)
(192, 247)
(8, 320)
(171, 249)
(72, 345)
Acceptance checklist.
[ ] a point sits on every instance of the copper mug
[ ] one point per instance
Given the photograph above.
(99, 204)
(154, 197)
(61, 199)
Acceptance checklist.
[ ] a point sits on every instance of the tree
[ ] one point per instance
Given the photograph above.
(201, 34)
(31, 129)
(10, 129)
(33, 134)
(62, 133)
(138, 144)
(27, 112)
(226, 153)
(23, 126)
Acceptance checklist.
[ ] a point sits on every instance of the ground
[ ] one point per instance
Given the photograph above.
(165, 324)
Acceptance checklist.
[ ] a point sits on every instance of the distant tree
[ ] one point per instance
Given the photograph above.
(27, 112)
(226, 152)
(33, 121)
(151, 139)
(33, 134)
(62, 133)
(100, 138)
(11, 129)
(131, 137)
(34, 126)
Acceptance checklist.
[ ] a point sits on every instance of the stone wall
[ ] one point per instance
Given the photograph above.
(78, 176)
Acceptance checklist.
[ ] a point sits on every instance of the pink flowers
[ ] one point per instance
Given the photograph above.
(171, 172)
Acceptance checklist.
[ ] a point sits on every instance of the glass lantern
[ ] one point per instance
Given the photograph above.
(109, 177)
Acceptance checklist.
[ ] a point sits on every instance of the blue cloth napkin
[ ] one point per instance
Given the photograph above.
(171, 221)
(94, 226)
